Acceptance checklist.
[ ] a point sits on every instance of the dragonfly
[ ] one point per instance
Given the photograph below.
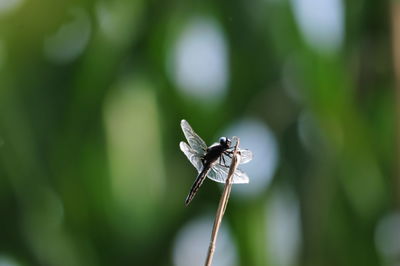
(213, 161)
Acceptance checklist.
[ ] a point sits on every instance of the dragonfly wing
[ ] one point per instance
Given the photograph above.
(245, 156)
(193, 157)
(195, 142)
(219, 173)
(240, 177)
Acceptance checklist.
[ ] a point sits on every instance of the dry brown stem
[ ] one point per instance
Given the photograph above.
(223, 202)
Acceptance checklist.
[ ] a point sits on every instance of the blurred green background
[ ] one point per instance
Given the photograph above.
(92, 94)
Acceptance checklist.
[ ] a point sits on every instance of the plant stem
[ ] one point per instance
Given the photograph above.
(395, 8)
(223, 202)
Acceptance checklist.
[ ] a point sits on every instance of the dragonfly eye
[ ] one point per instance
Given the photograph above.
(225, 141)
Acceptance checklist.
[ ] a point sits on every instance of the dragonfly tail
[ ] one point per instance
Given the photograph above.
(196, 185)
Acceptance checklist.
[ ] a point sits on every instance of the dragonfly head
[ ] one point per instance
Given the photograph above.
(224, 141)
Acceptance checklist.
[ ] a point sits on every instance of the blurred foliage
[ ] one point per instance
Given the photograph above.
(90, 169)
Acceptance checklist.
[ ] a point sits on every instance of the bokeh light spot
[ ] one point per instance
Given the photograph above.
(199, 60)
(9, 6)
(192, 241)
(134, 150)
(6, 260)
(283, 228)
(387, 236)
(118, 20)
(257, 137)
(321, 23)
(70, 40)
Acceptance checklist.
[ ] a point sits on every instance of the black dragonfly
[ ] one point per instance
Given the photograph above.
(213, 161)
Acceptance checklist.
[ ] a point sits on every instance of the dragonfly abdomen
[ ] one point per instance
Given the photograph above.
(197, 183)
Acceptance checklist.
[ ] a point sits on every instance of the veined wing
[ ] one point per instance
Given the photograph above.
(193, 157)
(245, 157)
(219, 173)
(195, 142)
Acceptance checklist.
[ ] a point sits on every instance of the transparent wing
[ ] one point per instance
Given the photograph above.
(219, 173)
(193, 157)
(245, 157)
(195, 142)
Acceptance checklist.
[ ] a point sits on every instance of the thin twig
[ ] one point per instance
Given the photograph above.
(223, 202)
(395, 8)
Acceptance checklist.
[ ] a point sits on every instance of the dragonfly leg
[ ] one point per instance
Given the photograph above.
(223, 159)
(228, 153)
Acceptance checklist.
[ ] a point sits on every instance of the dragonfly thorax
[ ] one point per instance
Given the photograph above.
(214, 152)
